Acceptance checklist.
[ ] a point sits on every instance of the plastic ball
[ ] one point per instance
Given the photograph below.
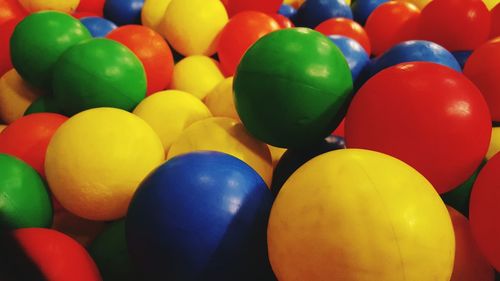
(362, 9)
(183, 110)
(391, 23)
(96, 160)
(27, 138)
(495, 22)
(228, 136)
(292, 159)
(15, 96)
(287, 11)
(484, 210)
(193, 26)
(46, 254)
(6, 30)
(308, 86)
(398, 109)
(197, 75)
(282, 21)
(123, 12)
(44, 104)
(470, 265)
(51, 34)
(95, 7)
(462, 57)
(348, 28)
(153, 12)
(97, 26)
(11, 9)
(313, 12)
(98, 73)
(66, 6)
(27, 201)
(153, 52)
(81, 15)
(356, 56)
(419, 3)
(241, 32)
(266, 6)
(221, 100)
(344, 210)
(483, 68)
(457, 25)
(494, 143)
(110, 253)
(204, 191)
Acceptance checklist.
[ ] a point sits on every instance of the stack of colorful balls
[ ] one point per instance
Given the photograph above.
(250, 140)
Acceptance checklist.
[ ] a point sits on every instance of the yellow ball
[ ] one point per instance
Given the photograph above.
(276, 153)
(170, 112)
(491, 3)
(67, 6)
(419, 3)
(221, 100)
(96, 160)
(228, 136)
(197, 75)
(193, 26)
(359, 215)
(153, 12)
(494, 143)
(15, 96)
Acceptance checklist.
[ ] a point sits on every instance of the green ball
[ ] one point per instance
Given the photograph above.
(44, 104)
(98, 73)
(24, 199)
(39, 40)
(291, 87)
(110, 253)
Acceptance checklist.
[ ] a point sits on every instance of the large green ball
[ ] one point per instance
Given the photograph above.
(39, 40)
(291, 87)
(24, 199)
(98, 73)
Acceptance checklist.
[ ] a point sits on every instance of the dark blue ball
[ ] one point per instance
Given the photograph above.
(313, 12)
(287, 11)
(97, 26)
(201, 216)
(123, 12)
(354, 53)
(362, 9)
(462, 57)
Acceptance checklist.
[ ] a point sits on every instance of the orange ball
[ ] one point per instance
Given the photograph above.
(27, 138)
(153, 52)
(348, 28)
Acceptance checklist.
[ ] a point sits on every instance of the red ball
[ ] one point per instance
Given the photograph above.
(483, 68)
(340, 131)
(95, 7)
(495, 21)
(470, 264)
(239, 34)
(80, 15)
(153, 52)
(348, 28)
(11, 9)
(391, 23)
(6, 30)
(56, 256)
(282, 21)
(457, 25)
(425, 114)
(485, 211)
(265, 6)
(27, 138)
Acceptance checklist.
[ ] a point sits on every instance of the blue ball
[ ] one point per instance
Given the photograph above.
(462, 57)
(123, 12)
(287, 11)
(313, 12)
(201, 216)
(97, 26)
(354, 53)
(362, 9)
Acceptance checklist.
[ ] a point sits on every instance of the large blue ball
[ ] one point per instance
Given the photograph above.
(123, 12)
(97, 26)
(313, 12)
(201, 216)
(362, 9)
(354, 53)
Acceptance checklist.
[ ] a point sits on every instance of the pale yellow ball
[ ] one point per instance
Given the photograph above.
(152, 13)
(170, 112)
(221, 100)
(96, 160)
(67, 6)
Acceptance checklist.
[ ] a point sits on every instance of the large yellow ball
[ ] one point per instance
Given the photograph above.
(15, 96)
(67, 6)
(359, 215)
(221, 100)
(228, 136)
(494, 143)
(170, 112)
(197, 75)
(96, 160)
(152, 13)
(192, 27)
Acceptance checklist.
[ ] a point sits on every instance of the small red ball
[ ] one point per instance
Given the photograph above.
(282, 21)
(348, 28)
(95, 7)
